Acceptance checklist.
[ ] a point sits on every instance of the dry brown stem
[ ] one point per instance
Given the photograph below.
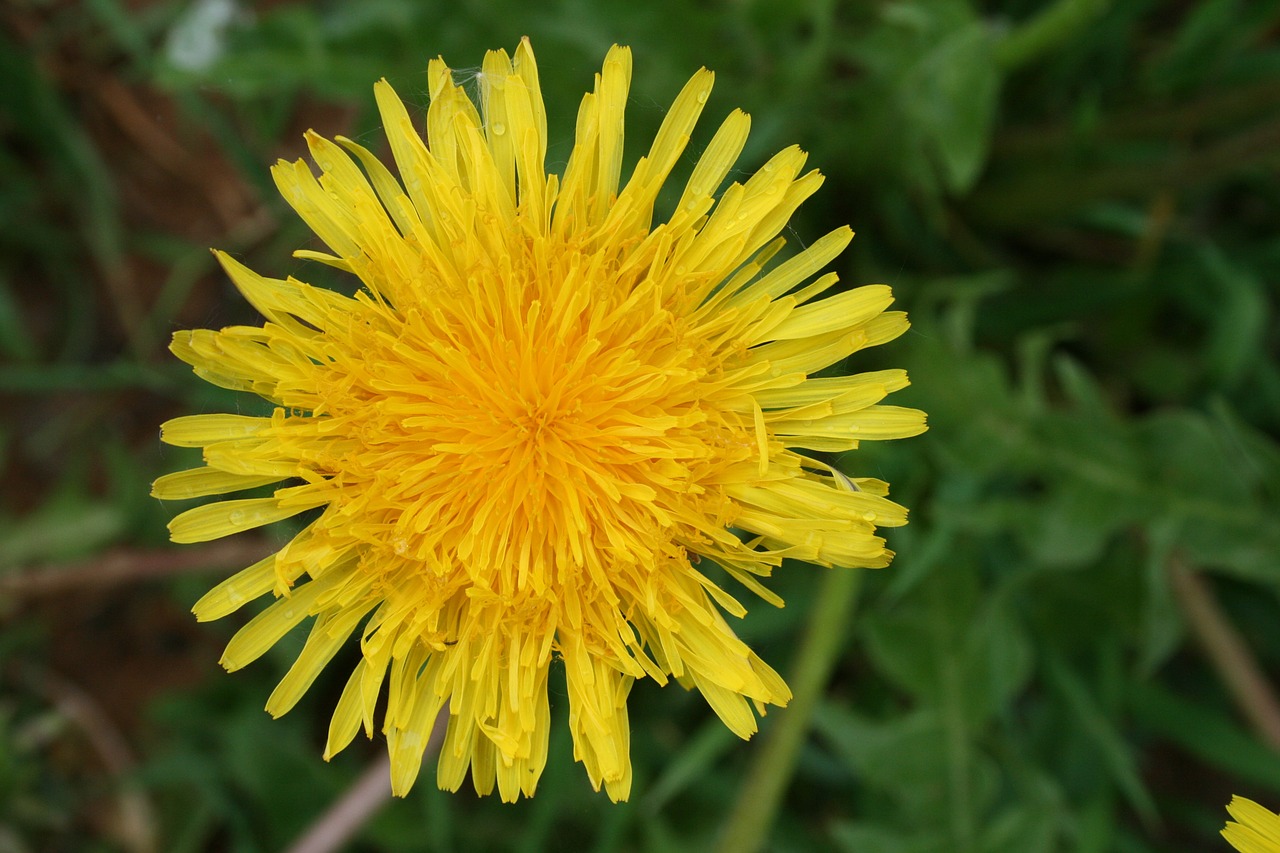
(124, 565)
(370, 792)
(1227, 652)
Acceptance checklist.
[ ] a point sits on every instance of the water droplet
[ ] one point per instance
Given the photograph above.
(234, 595)
(498, 128)
(703, 95)
(868, 516)
(236, 516)
(287, 613)
(854, 428)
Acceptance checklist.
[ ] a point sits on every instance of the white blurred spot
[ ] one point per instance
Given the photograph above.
(199, 35)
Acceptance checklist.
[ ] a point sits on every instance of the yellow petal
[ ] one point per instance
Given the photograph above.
(795, 270)
(223, 518)
(832, 387)
(346, 718)
(843, 311)
(199, 430)
(328, 635)
(200, 482)
(268, 627)
(230, 595)
(714, 164)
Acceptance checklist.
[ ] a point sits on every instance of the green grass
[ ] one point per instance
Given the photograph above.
(1077, 202)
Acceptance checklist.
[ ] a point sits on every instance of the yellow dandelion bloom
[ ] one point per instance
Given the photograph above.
(541, 429)
(1254, 829)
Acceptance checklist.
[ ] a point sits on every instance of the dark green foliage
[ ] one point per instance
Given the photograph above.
(1077, 202)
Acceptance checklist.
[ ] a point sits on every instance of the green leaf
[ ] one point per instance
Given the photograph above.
(63, 529)
(1020, 829)
(1239, 319)
(695, 759)
(1115, 754)
(1161, 621)
(1205, 732)
(947, 646)
(952, 93)
(1072, 525)
(905, 755)
(870, 838)
(15, 341)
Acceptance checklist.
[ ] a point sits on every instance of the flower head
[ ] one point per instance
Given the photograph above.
(544, 428)
(1254, 829)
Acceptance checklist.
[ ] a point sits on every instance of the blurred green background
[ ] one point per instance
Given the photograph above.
(1077, 202)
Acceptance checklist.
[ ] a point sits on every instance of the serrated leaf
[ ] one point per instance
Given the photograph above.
(948, 647)
(903, 753)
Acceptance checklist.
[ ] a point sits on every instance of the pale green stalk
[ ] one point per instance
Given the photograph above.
(747, 827)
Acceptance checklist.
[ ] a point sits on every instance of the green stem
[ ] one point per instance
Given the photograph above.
(747, 827)
(1046, 30)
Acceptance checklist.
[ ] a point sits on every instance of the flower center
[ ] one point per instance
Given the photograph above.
(536, 419)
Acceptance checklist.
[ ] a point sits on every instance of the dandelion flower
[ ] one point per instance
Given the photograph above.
(544, 428)
(1254, 829)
